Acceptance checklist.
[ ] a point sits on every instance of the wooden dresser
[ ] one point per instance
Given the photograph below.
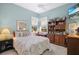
(72, 43)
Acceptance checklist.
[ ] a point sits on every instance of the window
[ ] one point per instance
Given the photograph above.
(34, 24)
(43, 24)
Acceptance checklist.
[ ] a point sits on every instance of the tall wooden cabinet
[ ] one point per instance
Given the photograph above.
(60, 40)
(51, 35)
(56, 31)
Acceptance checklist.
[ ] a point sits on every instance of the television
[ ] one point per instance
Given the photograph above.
(72, 10)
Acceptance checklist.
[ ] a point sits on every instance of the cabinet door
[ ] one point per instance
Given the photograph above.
(62, 40)
(57, 39)
(9, 44)
(2, 46)
(51, 38)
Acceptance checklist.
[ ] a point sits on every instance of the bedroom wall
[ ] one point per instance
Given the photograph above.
(58, 12)
(9, 13)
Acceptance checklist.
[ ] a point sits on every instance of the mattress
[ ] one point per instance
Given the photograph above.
(31, 45)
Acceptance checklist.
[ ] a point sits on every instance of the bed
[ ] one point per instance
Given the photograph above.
(31, 45)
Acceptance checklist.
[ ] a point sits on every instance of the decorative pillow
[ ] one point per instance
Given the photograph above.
(22, 33)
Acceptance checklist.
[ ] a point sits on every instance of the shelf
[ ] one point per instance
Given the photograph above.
(59, 30)
(56, 32)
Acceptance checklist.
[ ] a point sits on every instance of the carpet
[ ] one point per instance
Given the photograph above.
(54, 50)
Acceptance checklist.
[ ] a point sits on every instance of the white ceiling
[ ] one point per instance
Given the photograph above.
(40, 7)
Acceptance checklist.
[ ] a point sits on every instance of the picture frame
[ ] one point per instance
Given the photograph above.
(21, 25)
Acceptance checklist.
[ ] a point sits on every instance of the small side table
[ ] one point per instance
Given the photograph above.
(6, 45)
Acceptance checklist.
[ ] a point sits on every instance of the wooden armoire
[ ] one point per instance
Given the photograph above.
(56, 31)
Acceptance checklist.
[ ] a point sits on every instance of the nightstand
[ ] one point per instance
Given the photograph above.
(6, 45)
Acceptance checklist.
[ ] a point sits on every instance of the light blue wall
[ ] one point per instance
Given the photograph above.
(9, 13)
(57, 12)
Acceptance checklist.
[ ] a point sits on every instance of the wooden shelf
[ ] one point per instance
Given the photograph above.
(57, 26)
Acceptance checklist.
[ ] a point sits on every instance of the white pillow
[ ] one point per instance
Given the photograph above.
(22, 33)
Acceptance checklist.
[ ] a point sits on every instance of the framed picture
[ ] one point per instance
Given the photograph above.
(21, 25)
(73, 27)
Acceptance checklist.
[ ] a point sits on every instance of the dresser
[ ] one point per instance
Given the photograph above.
(6, 45)
(72, 43)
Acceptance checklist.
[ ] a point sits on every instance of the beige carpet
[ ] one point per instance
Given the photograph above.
(54, 50)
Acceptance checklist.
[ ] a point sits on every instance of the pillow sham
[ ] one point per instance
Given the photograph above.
(22, 33)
